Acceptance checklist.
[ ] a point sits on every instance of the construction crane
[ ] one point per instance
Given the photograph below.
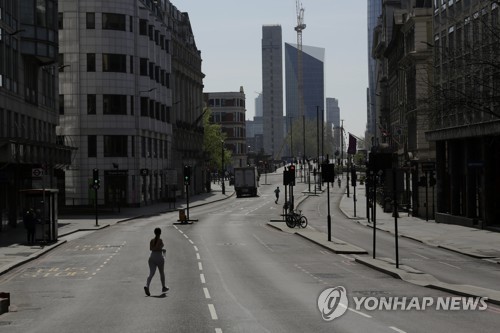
(300, 80)
(300, 86)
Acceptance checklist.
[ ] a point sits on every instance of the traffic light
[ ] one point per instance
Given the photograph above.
(292, 175)
(187, 174)
(96, 183)
(328, 173)
(286, 177)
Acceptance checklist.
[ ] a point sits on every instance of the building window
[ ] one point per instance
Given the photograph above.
(151, 70)
(90, 62)
(143, 146)
(92, 146)
(115, 146)
(143, 27)
(60, 21)
(61, 62)
(114, 104)
(114, 63)
(151, 109)
(131, 23)
(132, 146)
(143, 67)
(61, 104)
(144, 106)
(151, 32)
(90, 20)
(112, 21)
(131, 64)
(132, 106)
(91, 104)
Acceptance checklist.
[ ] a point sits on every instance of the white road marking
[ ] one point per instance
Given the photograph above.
(396, 329)
(212, 311)
(421, 256)
(181, 231)
(190, 241)
(196, 248)
(218, 330)
(198, 256)
(207, 294)
(202, 278)
(186, 236)
(445, 263)
(261, 242)
(200, 266)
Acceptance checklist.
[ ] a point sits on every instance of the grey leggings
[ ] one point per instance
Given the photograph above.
(156, 260)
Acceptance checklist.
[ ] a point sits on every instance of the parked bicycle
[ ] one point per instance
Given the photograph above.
(294, 219)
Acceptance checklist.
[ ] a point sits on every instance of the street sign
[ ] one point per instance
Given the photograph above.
(36, 172)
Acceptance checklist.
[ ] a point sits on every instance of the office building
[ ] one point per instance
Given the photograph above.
(466, 112)
(31, 157)
(313, 59)
(228, 110)
(272, 90)
(374, 11)
(116, 99)
(333, 121)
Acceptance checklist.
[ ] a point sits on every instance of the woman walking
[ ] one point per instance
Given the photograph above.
(156, 259)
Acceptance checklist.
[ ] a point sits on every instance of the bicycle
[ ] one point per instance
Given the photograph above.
(294, 219)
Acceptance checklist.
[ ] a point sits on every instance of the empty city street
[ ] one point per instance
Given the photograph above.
(227, 272)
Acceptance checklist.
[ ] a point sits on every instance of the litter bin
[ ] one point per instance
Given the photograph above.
(182, 215)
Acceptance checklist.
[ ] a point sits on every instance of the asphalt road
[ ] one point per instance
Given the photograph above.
(228, 272)
(445, 265)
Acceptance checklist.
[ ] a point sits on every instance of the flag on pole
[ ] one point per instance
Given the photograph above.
(352, 144)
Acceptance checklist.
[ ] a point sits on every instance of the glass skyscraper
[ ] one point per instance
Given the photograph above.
(313, 80)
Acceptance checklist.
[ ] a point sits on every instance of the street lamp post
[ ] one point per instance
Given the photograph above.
(222, 167)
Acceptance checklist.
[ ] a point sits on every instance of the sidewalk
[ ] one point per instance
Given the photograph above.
(477, 243)
(481, 244)
(14, 250)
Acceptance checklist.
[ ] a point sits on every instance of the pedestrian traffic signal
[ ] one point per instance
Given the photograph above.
(187, 175)
(96, 183)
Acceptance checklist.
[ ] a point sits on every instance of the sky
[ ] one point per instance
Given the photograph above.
(228, 33)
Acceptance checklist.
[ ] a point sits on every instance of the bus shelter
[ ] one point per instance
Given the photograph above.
(44, 203)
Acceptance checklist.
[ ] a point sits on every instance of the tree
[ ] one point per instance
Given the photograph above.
(213, 139)
(466, 87)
